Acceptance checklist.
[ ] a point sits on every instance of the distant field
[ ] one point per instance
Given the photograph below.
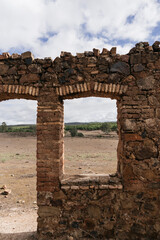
(18, 128)
(90, 154)
(68, 127)
(89, 126)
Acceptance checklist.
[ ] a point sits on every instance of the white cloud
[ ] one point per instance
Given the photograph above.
(75, 26)
(22, 23)
(77, 110)
(90, 110)
(18, 112)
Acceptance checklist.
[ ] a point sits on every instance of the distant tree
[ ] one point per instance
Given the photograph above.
(4, 127)
(105, 127)
(32, 128)
(114, 128)
(73, 131)
(9, 129)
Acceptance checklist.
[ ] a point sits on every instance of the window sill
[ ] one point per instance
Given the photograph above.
(90, 181)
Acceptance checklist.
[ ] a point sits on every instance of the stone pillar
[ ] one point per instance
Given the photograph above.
(49, 153)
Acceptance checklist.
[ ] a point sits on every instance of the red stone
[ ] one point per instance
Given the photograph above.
(132, 137)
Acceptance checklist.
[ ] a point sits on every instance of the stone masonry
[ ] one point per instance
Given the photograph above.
(121, 206)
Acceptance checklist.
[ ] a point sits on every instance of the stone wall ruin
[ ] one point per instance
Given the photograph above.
(124, 205)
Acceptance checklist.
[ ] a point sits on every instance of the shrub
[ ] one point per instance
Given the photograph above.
(114, 128)
(80, 134)
(73, 131)
(105, 127)
(3, 127)
(99, 136)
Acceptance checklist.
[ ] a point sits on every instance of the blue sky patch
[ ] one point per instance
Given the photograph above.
(156, 30)
(123, 42)
(102, 35)
(88, 35)
(130, 19)
(46, 37)
(84, 31)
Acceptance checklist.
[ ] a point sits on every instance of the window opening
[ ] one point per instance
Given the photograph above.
(18, 166)
(90, 142)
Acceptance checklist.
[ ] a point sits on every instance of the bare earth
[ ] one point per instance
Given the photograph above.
(18, 210)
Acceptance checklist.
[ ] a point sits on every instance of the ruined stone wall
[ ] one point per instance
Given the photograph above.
(124, 205)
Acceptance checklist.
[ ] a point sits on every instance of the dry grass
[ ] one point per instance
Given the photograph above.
(18, 173)
(18, 164)
(90, 155)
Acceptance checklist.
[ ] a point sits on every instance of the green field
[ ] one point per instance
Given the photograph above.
(68, 127)
(18, 128)
(90, 126)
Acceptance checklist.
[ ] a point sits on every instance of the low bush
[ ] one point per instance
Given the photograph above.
(80, 134)
(73, 131)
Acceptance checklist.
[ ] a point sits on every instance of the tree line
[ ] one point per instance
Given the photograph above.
(111, 126)
(72, 128)
(105, 127)
(17, 128)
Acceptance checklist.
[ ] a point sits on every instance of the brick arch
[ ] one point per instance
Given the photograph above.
(18, 91)
(91, 89)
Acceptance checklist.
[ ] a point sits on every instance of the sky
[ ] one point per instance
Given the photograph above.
(47, 27)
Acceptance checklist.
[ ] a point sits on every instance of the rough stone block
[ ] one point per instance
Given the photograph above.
(132, 137)
(129, 125)
(28, 55)
(120, 67)
(146, 83)
(47, 211)
(138, 67)
(124, 58)
(113, 51)
(96, 52)
(158, 112)
(156, 46)
(3, 69)
(145, 150)
(105, 51)
(16, 56)
(30, 77)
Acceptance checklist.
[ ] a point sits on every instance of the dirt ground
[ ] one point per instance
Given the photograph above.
(91, 154)
(18, 209)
